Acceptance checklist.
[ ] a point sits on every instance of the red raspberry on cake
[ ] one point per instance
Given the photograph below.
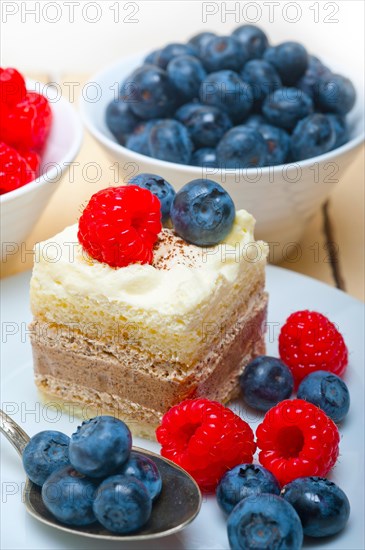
(27, 124)
(14, 170)
(12, 86)
(206, 439)
(297, 439)
(119, 226)
(308, 342)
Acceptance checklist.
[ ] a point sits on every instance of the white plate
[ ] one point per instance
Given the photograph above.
(288, 292)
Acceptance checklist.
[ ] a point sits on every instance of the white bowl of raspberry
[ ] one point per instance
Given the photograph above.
(282, 196)
(28, 180)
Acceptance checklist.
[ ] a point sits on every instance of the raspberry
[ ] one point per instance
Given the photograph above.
(12, 86)
(297, 439)
(206, 439)
(43, 120)
(32, 159)
(119, 226)
(309, 342)
(27, 124)
(14, 170)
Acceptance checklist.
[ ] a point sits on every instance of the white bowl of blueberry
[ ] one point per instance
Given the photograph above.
(272, 124)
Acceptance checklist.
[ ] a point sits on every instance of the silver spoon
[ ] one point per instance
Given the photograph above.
(177, 505)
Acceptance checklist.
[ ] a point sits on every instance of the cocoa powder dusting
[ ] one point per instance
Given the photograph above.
(171, 250)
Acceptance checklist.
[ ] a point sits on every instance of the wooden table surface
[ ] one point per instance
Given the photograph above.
(341, 221)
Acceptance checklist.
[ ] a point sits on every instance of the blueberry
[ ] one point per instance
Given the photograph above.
(227, 91)
(186, 73)
(198, 41)
(243, 481)
(169, 140)
(159, 187)
(290, 59)
(144, 469)
(312, 136)
(127, 89)
(255, 120)
(322, 506)
(341, 130)
(265, 382)
(336, 94)
(253, 39)
(152, 58)
(206, 157)
(69, 496)
(45, 453)
(264, 522)
(122, 504)
(286, 106)
(185, 111)
(242, 147)
(206, 124)
(328, 392)
(202, 212)
(277, 142)
(262, 78)
(223, 53)
(138, 140)
(120, 120)
(308, 83)
(149, 92)
(173, 50)
(100, 446)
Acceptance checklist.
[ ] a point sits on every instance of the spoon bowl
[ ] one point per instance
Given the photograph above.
(176, 507)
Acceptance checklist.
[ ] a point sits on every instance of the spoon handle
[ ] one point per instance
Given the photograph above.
(13, 432)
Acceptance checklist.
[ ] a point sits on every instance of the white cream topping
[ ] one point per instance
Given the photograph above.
(181, 277)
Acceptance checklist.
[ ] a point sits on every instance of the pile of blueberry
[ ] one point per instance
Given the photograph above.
(94, 475)
(232, 102)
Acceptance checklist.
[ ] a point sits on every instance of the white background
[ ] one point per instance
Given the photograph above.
(32, 42)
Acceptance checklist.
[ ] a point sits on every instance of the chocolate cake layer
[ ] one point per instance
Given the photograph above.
(86, 402)
(77, 369)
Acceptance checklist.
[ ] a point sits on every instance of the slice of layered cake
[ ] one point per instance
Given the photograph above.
(130, 318)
